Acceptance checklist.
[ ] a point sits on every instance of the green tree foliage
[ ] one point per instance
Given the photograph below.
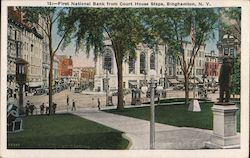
(122, 26)
(232, 22)
(173, 27)
(45, 18)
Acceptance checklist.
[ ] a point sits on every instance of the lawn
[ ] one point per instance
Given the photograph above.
(176, 115)
(65, 131)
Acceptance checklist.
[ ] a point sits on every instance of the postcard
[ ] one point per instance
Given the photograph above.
(112, 78)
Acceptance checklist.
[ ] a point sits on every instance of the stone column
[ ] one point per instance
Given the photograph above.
(224, 127)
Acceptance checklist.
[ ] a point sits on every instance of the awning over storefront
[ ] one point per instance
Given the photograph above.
(133, 83)
(35, 84)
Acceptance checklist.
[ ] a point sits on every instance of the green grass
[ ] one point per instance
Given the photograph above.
(65, 131)
(176, 115)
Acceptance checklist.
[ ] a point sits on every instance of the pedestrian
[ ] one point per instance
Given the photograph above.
(32, 108)
(73, 105)
(26, 110)
(47, 108)
(42, 109)
(98, 102)
(54, 108)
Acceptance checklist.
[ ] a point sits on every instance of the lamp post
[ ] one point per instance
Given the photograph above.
(159, 89)
(152, 74)
(21, 71)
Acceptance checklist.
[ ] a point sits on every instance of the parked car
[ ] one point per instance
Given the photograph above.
(39, 91)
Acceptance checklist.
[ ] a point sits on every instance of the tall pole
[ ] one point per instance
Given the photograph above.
(152, 120)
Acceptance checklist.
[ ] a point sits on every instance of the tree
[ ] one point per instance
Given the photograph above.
(231, 22)
(176, 26)
(122, 26)
(49, 15)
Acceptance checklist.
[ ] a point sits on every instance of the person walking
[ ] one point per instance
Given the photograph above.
(98, 104)
(42, 109)
(67, 103)
(73, 105)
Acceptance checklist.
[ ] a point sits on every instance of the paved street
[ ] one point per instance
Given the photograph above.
(89, 99)
(137, 131)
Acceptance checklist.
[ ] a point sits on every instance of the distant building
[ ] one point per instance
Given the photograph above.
(26, 42)
(212, 65)
(199, 63)
(65, 67)
(77, 73)
(87, 73)
(55, 68)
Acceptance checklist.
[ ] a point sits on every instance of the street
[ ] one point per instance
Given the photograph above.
(89, 99)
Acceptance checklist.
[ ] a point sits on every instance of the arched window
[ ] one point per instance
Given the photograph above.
(142, 63)
(152, 61)
(107, 60)
(131, 64)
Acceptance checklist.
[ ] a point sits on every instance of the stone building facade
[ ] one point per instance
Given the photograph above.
(135, 71)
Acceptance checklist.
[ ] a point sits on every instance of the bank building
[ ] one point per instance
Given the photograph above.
(135, 71)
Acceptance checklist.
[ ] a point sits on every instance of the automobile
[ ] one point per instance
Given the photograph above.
(78, 89)
(39, 91)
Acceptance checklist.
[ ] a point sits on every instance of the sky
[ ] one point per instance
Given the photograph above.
(81, 60)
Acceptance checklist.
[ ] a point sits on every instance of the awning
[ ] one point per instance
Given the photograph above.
(133, 83)
(173, 81)
(35, 84)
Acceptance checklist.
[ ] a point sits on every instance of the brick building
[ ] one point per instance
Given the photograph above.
(212, 65)
(65, 66)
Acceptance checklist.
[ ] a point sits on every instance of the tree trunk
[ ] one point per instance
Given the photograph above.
(120, 105)
(186, 85)
(50, 84)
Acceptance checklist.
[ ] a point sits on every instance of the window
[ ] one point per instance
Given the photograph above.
(226, 51)
(231, 51)
(131, 65)
(107, 60)
(142, 63)
(152, 61)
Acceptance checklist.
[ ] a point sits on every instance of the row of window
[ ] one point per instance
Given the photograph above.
(229, 51)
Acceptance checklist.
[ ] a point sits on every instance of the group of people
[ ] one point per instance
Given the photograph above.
(42, 107)
(29, 109)
(73, 104)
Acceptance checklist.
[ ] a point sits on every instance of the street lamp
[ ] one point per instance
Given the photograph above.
(21, 71)
(152, 74)
(159, 89)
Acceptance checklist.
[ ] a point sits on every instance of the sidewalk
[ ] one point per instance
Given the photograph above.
(137, 131)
